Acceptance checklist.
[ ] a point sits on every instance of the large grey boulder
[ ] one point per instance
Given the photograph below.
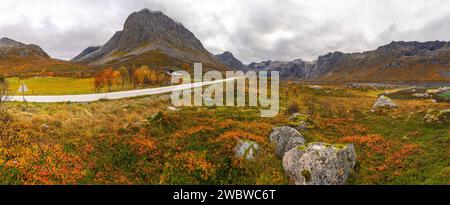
(384, 102)
(247, 149)
(285, 139)
(320, 164)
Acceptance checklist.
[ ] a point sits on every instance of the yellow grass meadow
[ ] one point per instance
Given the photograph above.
(53, 85)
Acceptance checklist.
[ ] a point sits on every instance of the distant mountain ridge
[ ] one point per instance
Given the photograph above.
(152, 38)
(228, 59)
(10, 47)
(20, 59)
(394, 62)
(147, 33)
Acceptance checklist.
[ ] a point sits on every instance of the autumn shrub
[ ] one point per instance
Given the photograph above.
(164, 122)
(310, 102)
(11, 133)
(293, 108)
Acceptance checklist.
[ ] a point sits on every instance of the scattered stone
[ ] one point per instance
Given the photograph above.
(320, 164)
(136, 124)
(422, 95)
(171, 108)
(437, 116)
(247, 149)
(354, 86)
(439, 90)
(384, 102)
(285, 138)
(44, 127)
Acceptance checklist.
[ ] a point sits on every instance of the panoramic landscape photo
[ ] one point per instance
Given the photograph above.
(268, 92)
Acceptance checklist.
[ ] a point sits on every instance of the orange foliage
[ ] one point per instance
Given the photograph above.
(374, 146)
(59, 167)
(147, 76)
(144, 145)
(190, 131)
(194, 161)
(106, 78)
(371, 144)
(345, 126)
(231, 136)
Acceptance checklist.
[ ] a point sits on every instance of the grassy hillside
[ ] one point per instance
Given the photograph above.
(159, 61)
(412, 72)
(29, 67)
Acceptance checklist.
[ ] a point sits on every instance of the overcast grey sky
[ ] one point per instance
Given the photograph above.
(254, 30)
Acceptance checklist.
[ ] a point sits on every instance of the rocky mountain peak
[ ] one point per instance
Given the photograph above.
(227, 54)
(146, 25)
(412, 48)
(230, 61)
(9, 42)
(149, 31)
(10, 47)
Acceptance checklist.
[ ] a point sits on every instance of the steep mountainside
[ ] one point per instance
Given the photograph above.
(17, 58)
(228, 59)
(292, 70)
(85, 52)
(395, 62)
(147, 37)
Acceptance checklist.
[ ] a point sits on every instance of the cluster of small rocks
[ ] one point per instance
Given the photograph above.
(315, 163)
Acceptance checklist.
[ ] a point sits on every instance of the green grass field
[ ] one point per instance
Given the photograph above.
(445, 95)
(53, 86)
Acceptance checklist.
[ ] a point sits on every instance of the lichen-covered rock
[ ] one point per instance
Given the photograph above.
(300, 122)
(384, 102)
(285, 139)
(320, 164)
(247, 149)
(437, 116)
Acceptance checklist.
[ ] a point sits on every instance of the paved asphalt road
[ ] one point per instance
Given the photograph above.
(112, 95)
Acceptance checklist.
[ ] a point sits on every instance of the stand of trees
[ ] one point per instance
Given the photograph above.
(136, 77)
